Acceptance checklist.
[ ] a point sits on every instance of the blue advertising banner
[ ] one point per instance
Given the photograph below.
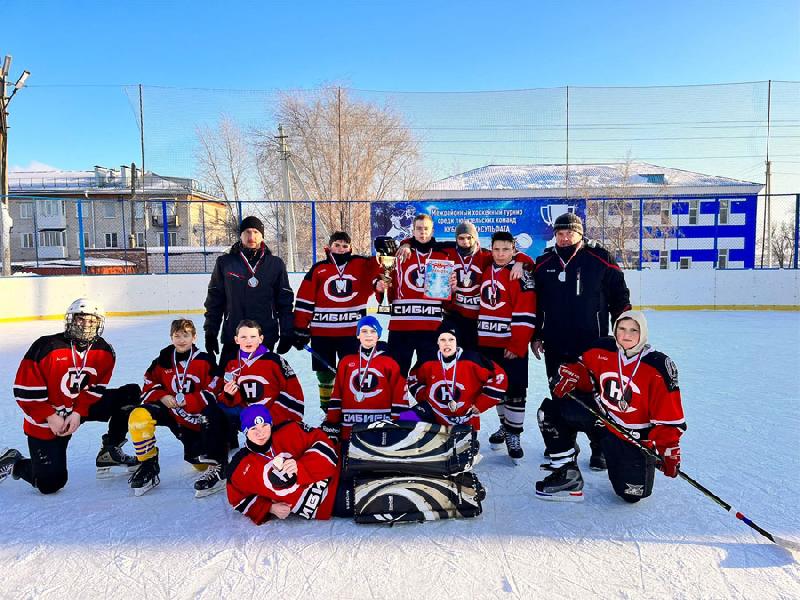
(530, 220)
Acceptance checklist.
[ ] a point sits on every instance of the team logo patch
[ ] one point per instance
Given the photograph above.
(634, 490)
(672, 373)
(340, 289)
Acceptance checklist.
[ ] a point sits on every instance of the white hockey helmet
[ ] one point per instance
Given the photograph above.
(87, 330)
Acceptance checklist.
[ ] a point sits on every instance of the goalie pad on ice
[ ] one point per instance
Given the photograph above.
(414, 448)
(402, 499)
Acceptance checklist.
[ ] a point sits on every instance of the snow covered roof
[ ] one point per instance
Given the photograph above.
(68, 263)
(100, 180)
(639, 175)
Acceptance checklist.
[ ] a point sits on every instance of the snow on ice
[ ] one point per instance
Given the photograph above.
(741, 392)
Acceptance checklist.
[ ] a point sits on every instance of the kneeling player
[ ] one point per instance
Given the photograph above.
(456, 387)
(180, 393)
(369, 386)
(288, 468)
(636, 387)
(61, 383)
(259, 376)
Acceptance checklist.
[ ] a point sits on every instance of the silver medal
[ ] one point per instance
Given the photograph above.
(452, 405)
(623, 405)
(253, 281)
(359, 396)
(562, 277)
(467, 281)
(180, 398)
(420, 281)
(228, 377)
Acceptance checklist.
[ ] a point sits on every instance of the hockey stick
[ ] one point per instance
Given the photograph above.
(316, 355)
(788, 544)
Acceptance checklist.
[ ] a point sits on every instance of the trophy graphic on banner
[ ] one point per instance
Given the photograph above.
(386, 248)
(550, 212)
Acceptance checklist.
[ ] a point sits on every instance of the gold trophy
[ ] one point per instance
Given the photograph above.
(386, 248)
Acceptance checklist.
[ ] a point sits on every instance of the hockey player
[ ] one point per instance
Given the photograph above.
(179, 392)
(283, 469)
(414, 318)
(332, 298)
(636, 387)
(259, 376)
(505, 327)
(61, 383)
(456, 387)
(369, 386)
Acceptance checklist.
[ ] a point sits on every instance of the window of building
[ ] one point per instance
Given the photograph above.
(663, 259)
(86, 239)
(722, 259)
(172, 239)
(27, 240)
(138, 210)
(140, 239)
(51, 208)
(111, 240)
(694, 211)
(685, 262)
(109, 210)
(51, 238)
(636, 207)
(26, 210)
(724, 211)
(656, 178)
(666, 213)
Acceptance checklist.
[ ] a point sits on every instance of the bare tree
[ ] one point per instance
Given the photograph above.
(782, 242)
(346, 150)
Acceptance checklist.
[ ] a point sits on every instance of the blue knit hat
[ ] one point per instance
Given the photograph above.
(369, 321)
(255, 414)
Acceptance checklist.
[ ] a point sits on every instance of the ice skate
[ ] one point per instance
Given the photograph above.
(514, 447)
(211, 482)
(565, 484)
(146, 477)
(498, 439)
(8, 459)
(110, 457)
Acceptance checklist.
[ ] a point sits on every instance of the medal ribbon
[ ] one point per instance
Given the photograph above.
(84, 358)
(630, 379)
(181, 377)
(363, 372)
(564, 264)
(466, 268)
(451, 384)
(258, 262)
(419, 264)
(338, 270)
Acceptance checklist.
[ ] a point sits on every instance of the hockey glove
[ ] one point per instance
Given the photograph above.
(212, 344)
(665, 439)
(285, 344)
(573, 376)
(332, 430)
(301, 338)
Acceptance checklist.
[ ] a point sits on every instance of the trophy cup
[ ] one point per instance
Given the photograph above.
(386, 248)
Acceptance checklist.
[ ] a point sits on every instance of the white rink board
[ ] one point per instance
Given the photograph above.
(43, 297)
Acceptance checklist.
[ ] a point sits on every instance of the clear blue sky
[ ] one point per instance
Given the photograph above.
(404, 45)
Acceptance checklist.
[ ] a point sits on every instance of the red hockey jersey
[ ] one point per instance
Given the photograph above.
(648, 394)
(332, 298)
(195, 379)
(252, 490)
(265, 379)
(54, 377)
(507, 310)
(411, 310)
(380, 384)
(469, 272)
(470, 380)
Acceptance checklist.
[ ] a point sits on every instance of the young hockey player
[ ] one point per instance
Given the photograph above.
(505, 327)
(179, 392)
(332, 298)
(259, 376)
(60, 384)
(414, 318)
(456, 387)
(284, 469)
(635, 387)
(369, 386)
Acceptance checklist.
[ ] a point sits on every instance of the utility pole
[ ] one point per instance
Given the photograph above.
(5, 216)
(288, 210)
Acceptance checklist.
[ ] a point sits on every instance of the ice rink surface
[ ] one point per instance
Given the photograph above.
(740, 381)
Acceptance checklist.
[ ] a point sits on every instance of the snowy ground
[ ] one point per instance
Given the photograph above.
(739, 378)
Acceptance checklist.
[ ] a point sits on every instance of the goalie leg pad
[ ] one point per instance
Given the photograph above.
(411, 448)
(403, 499)
(142, 429)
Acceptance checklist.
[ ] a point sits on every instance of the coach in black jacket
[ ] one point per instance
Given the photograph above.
(249, 282)
(578, 287)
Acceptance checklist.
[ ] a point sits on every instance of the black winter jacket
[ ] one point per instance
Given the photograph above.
(572, 314)
(230, 298)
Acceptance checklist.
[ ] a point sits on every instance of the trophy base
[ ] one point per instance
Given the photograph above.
(384, 310)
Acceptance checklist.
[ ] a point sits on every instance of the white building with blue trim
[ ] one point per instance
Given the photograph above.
(667, 218)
